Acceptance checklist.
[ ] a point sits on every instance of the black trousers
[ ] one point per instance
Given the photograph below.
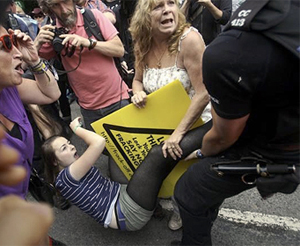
(200, 192)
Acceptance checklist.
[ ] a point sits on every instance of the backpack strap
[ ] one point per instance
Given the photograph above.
(90, 24)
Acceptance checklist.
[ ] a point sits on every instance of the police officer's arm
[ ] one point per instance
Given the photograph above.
(223, 134)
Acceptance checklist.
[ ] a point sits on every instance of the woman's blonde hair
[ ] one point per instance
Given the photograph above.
(141, 31)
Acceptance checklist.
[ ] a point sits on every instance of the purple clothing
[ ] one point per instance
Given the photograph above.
(12, 108)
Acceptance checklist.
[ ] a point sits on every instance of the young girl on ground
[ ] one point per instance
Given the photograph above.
(125, 207)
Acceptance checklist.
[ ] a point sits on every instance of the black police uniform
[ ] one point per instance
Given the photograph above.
(247, 71)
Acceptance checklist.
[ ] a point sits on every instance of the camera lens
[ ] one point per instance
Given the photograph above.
(57, 44)
(57, 41)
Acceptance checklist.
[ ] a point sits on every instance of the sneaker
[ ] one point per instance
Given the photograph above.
(53, 242)
(175, 222)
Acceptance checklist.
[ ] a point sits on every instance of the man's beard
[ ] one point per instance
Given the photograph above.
(68, 20)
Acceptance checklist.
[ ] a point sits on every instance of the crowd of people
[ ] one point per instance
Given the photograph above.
(233, 58)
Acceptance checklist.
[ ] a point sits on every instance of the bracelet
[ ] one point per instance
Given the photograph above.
(76, 127)
(199, 154)
(37, 65)
(40, 68)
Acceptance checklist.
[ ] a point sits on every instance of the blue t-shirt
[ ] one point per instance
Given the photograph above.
(93, 194)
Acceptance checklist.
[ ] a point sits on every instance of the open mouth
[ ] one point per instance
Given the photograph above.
(167, 21)
(76, 156)
(19, 69)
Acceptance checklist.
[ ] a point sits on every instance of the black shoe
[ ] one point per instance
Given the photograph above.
(158, 212)
(53, 242)
(175, 242)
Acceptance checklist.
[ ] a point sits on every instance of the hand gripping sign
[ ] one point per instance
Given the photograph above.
(131, 132)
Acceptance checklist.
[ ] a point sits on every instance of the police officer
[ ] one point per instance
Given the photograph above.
(251, 72)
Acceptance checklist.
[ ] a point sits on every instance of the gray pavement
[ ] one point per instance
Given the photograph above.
(73, 227)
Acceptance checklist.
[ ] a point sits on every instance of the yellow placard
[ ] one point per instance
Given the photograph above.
(131, 132)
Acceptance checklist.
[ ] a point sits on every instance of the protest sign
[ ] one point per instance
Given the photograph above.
(131, 132)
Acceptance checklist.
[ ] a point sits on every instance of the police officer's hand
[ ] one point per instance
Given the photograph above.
(45, 35)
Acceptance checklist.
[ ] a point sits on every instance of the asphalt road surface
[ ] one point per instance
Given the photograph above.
(245, 219)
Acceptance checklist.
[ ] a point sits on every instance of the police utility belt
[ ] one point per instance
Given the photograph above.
(251, 168)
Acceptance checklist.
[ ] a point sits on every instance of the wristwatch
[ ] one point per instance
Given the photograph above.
(93, 43)
(199, 155)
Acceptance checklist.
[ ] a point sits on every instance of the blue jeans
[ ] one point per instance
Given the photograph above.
(200, 192)
(90, 116)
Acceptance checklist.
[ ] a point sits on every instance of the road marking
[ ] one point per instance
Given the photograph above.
(259, 219)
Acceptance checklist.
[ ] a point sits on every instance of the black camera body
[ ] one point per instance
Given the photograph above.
(57, 41)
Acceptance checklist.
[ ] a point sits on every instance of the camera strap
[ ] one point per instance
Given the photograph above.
(62, 72)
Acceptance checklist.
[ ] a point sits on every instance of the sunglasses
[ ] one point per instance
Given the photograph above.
(9, 41)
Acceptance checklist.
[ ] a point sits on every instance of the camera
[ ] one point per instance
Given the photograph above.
(57, 41)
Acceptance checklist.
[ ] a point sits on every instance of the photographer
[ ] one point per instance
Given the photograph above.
(251, 72)
(92, 74)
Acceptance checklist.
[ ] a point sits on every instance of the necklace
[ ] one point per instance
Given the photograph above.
(158, 64)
